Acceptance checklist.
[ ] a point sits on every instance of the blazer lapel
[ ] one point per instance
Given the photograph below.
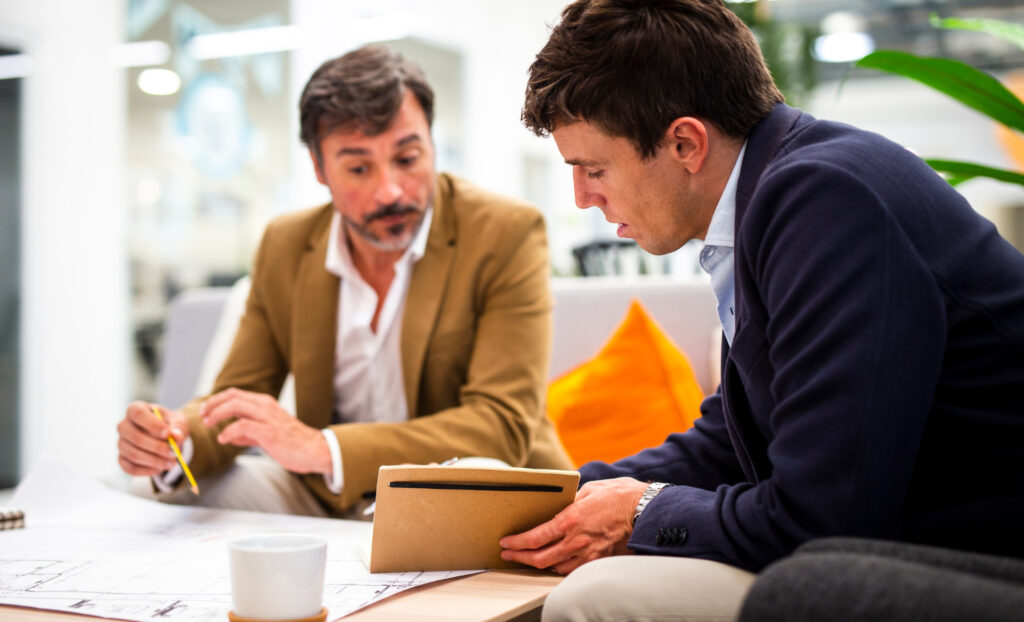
(427, 287)
(763, 143)
(315, 320)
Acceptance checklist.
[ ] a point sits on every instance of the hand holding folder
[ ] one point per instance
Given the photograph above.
(452, 517)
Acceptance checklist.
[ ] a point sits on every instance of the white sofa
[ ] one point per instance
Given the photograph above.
(202, 323)
(588, 310)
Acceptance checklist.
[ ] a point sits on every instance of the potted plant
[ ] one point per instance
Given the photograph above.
(966, 84)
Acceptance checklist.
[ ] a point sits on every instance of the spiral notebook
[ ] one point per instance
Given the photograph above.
(11, 518)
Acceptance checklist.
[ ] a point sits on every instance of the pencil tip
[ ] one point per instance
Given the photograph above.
(195, 490)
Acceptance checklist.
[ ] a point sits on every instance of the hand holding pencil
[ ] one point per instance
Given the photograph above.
(177, 454)
(149, 438)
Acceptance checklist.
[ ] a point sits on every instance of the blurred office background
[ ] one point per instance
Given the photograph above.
(145, 144)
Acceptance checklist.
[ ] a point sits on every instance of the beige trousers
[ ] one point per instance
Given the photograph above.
(643, 587)
(256, 483)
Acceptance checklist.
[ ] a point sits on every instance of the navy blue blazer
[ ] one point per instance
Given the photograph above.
(875, 383)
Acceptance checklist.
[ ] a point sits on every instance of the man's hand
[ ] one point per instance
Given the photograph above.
(261, 422)
(597, 524)
(142, 447)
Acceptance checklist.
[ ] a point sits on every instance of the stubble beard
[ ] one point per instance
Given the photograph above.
(400, 235)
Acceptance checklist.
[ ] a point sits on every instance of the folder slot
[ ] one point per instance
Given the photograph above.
(478, 486)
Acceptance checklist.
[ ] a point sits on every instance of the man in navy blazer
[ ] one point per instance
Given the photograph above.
(873, 350)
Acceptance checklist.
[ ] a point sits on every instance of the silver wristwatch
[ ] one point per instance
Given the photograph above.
(645, 498)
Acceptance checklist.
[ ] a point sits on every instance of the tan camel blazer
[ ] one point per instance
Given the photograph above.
(476, 338)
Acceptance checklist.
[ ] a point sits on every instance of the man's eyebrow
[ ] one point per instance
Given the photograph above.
(411, 138)
(587, 163)
(352, 151)
(407, 140)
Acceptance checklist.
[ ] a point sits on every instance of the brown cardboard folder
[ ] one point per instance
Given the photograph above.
(451, 517)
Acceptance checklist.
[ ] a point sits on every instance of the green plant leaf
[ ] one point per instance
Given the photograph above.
(960, 81)
(1014, 33)
(960, 172)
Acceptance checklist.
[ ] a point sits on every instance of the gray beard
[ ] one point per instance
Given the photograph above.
(403, 234)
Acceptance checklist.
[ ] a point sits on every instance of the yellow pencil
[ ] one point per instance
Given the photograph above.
(177, 453)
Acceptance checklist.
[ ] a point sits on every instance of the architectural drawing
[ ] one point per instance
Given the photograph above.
(89, 549)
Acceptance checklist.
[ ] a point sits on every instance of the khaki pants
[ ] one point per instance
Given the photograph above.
(255, 483)
(642, 587)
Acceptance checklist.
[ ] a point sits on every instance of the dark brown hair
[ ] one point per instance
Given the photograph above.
(631, 67)
(362, 90)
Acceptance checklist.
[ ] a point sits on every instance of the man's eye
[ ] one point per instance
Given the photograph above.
(357, 170)
(595, 174)
(408, 160)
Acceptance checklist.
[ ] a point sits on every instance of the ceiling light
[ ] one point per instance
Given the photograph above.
(244, 42)
(843, 47)
(159, 81)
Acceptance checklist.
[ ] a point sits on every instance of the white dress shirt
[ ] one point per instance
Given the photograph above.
(716, 258)
(368, 382)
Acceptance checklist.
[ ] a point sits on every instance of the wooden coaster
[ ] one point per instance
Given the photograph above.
(320, 617)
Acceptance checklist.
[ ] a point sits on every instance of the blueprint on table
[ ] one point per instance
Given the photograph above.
(88, 549)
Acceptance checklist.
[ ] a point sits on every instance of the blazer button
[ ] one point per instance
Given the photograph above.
(660, 538)
(683, 535)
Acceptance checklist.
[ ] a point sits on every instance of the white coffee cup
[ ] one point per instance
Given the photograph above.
(277, 576)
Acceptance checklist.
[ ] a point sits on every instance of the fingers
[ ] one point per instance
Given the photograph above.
(547, 557)
(568, 566)
(217, 399)
(141, 416)
(541, 535)
(596, 525)
(543, 546)
(178, 423)
(135, 461)
(236, 403)
(131, 468)
(243, 433)
(142, 446)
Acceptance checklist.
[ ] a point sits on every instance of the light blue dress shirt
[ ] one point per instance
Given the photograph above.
(716, 257)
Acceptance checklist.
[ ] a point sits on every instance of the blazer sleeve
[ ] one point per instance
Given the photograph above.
(500, 391)
(842, 383)
(701, 457)
(254, 363)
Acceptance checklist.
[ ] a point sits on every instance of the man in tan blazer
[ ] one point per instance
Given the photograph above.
(413, 311)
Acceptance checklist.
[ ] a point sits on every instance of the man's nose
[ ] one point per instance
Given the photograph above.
(584, 197)
(388, 189)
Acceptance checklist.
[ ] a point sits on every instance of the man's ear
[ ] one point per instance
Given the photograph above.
(317, 166)
(687, 138)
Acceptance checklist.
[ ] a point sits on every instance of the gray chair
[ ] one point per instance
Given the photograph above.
(859, 580)
(192, 320)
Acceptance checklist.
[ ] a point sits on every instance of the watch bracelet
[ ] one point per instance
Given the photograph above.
(652, 491)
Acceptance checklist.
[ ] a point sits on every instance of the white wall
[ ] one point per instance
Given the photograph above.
(75, 330)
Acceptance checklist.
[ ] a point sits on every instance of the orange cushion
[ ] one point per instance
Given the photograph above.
(639, 389)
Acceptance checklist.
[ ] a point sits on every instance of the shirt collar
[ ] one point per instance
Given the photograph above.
(722, 227)
(339, 259)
